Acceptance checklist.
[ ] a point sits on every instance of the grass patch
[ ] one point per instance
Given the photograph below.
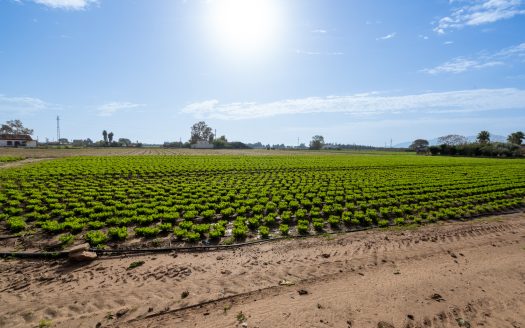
(135, 264)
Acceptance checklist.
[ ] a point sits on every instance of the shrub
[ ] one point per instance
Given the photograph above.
(383, 223)
(15, 224)
(286, 217)
(147, 232)
(165, 227)
(96, 237)
(253, 222)
(201, 228)
(192, 236)
(186, 225)
(271, 207)
(284, 229)
(258, 209)
(399, 221)
(51, 226)
(96, 224)
(303, 228)
(190, 215)
(318, 225)
(264, 231)
(301, 214)
(228, 212)
(293, 204)
(208, 214)
(179, 232)
(118, 233)
(66, 239)
(240, 232)
(334, 221)
(216, 233)
(269, 220)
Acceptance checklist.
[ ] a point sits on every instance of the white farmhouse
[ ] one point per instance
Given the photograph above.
(17, 140)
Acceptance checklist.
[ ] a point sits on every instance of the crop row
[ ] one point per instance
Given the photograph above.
(191, 198)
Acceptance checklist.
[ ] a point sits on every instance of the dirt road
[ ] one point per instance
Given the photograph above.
(468, 274)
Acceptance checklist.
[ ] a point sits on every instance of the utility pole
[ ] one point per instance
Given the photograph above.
(58, 129)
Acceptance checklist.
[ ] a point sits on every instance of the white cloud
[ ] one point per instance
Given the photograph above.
(111, 108)
(388, 36)
(319, 31)
(66, 4)
(460, 65)
(448, 43)
(479, 12)
(482, 60)
(21, 105)
(365, 105)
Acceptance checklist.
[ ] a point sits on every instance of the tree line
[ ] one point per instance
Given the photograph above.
(454, 144)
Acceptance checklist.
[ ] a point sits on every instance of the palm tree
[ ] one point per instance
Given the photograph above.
(516, 137)
(484, 137)
(105, 135)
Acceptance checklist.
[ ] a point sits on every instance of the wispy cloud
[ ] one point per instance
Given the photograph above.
(460, 65)
(480, 61)
(22, 105)
(319, 31)
(386, 37)
(67, 4)
(479, 12)
(111, 108)
(319, 53)
(365, 105)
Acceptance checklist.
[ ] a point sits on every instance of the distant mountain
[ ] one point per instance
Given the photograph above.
(434, 142)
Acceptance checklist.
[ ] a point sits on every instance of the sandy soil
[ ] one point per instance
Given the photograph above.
(22, 162)
(450, 275)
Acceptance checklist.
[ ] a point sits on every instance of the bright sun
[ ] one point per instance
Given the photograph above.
(245, 26)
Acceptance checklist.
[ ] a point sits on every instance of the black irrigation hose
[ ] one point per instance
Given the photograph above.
(36, 255)
(207, 248)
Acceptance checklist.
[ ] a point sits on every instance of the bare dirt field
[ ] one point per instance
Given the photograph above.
(468, 274)
(110, 151)
(57, 153)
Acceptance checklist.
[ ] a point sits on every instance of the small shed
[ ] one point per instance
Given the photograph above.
(202, 145)
(17, 140)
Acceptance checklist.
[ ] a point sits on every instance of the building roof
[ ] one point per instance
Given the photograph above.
(23, 137)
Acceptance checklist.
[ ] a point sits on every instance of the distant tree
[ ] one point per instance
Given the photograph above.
(124, 142)
(419, 145)
(221, 142)
(452, 140)
(110, 137)
(200, 131)
(317, 142)
(516, 138)
(483, 137)
(105, 135)
(15, 127)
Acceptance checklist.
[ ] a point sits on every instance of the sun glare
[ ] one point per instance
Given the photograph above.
(244, 26)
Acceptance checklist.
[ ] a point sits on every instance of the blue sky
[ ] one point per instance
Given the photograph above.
(273, 71)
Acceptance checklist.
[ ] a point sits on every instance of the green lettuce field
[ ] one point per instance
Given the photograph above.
(108, 200)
